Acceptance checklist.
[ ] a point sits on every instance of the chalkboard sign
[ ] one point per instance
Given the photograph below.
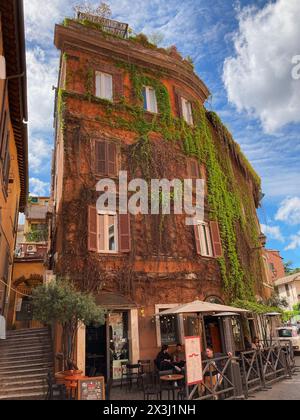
(91, 389)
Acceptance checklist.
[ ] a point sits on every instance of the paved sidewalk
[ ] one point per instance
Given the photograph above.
(286, 390)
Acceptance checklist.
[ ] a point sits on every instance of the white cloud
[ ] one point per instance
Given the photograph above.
(289, 211)
(38, 187)
(40, 18)
(259, 78)
(42, 75)
(295, 242)
(39, 153)
(272, 232)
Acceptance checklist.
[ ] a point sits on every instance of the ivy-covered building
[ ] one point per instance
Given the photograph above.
(124, 104)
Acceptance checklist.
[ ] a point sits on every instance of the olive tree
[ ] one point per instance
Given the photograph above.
(60, 302)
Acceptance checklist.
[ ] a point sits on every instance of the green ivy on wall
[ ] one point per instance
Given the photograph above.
(225, 195)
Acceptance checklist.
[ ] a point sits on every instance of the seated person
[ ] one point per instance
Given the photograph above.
(179, 356)
(164, 360)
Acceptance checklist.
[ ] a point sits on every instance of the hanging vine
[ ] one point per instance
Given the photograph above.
(226, 196)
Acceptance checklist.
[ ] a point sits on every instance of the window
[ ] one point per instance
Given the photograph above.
(194, 169)
(187, 111)
(106, 158)
(169, 329)
(285, 333)
(150, 101)
(208, 239)
(272, 267)
(104, 86)
(204, 238)
(288, 291)
(108, 233)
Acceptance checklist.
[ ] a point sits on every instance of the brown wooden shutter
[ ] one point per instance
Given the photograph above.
(112, 159)
(124, 233)
(178, 104)
(6, 171)
(118, 86)
(197, 239)
(92, 229)
(216, 239)
(101, 158)
(193, 169)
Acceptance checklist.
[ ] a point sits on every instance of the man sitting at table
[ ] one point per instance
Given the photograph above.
(163, 360)
(179, 357)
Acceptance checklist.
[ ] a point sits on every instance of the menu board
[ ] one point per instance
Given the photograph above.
(193, 360)
(91, 389)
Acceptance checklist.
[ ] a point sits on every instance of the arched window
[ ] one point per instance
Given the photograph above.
(214, 299)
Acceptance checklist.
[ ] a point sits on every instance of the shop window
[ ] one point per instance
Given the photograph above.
(104, 86)
(150, 101)
(170, 328)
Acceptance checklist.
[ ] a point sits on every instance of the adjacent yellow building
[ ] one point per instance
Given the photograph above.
(13, 138)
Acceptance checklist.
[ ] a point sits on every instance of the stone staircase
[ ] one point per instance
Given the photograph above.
(25, 360)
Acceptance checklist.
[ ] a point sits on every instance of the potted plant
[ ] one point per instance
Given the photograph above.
(61, 303)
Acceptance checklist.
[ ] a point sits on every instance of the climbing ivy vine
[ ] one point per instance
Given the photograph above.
(225, 194)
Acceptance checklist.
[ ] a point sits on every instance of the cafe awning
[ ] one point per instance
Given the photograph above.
(200, 307)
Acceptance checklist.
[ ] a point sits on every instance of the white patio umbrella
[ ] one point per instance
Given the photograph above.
(200, 307)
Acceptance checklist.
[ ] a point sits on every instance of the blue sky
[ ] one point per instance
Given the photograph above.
(243, 51)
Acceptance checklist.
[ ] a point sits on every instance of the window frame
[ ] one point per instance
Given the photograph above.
(146, 90)
(205, 239)
(99, 87)
(180, 324)
(106, 216)
(187, 114)
(107, 144)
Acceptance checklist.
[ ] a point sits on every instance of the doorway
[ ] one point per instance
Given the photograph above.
(213, 333)
(107, 346)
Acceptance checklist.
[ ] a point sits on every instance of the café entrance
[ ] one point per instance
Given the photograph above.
(109, 345)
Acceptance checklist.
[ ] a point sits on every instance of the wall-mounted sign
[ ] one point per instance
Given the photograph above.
(91, 389)
(193, 360)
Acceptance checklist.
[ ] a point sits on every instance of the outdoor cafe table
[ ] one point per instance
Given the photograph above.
(172, 379)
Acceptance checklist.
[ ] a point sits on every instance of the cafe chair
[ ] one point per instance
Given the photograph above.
(166, 386)
(150, 388)
(145, 366)
(133, 373)
(55, 392)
